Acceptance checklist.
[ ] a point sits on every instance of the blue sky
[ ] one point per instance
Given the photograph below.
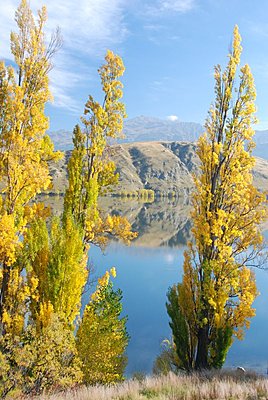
(169, 48)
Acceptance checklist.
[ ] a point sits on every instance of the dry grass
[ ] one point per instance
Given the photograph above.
(196, 387)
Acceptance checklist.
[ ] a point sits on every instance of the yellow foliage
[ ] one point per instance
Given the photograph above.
(90, 169)
(113, 272)
(24, 149)
(227, 212)
(38, 361)
(9, 240)
(45, 314)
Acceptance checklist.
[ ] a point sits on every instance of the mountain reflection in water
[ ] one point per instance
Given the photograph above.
(163, 222)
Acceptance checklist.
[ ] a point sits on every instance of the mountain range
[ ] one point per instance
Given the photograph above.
(149, 129)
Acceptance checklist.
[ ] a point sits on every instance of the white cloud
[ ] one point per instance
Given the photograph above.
(62, 83)
(181, 6)
(162, 6)
(88, 25)
(172, 118)
(88, 28)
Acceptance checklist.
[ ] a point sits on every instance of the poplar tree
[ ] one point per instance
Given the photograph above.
(57, 248)
(102, 336)
(90, 169)
(32, 356)
(25, 150)
(218, 287)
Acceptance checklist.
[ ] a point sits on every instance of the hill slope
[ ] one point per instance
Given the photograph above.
(161, 166)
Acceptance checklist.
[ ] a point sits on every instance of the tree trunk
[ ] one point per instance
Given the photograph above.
(202, 349)
(3, 295)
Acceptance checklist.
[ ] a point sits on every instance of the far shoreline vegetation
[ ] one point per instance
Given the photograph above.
(145, 195)
(49, 344)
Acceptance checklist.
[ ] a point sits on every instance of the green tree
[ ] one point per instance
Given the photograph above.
(102, 336)
(54, 256)
(182, 328)
(227, 212)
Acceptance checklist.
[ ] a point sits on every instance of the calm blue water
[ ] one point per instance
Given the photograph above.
(144, 275)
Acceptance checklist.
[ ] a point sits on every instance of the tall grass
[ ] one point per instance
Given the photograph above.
(224, 386)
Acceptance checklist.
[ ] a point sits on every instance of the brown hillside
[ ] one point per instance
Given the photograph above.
(161, 166)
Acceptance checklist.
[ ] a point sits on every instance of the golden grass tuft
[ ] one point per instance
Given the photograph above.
(223, 386)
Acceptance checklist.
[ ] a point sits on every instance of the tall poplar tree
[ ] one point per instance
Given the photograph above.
(218, 287)
(56, 250)
(25, 150)
(91, 172)
(31, 358)
(90, 168)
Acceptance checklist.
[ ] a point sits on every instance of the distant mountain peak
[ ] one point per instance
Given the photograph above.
(151, 129)
(143, 129)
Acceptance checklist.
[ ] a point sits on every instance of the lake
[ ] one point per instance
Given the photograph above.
(147, 268)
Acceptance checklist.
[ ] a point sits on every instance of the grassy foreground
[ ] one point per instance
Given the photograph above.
(196, 387)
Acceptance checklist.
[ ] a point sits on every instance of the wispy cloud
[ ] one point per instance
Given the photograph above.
(177, 6)
(181, 6)
(258, 29)
(160, 85)
(159, 34)
(88, 25)
(88, 28)
(63, 84)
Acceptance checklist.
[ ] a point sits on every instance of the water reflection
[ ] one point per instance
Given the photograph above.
(161, 223)
(164, 222)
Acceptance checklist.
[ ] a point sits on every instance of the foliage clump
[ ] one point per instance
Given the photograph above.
(102, 337)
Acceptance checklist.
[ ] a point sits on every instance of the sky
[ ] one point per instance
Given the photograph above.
(169, 48)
